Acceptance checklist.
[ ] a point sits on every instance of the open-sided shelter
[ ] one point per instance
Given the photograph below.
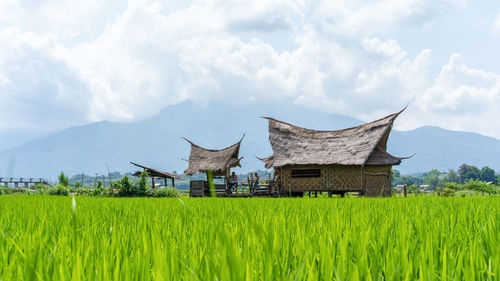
(214, 162)
(349, 160)
(156, 174)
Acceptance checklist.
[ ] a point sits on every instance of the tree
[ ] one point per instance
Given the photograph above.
(452, 176)
(466, 172)
(487, 174)
(63, 179)
(432, 178)
(395, 174)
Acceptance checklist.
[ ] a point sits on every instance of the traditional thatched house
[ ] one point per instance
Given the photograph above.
(216, 163)
(349, 160)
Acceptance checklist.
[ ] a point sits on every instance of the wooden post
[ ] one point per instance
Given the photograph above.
(362, 179)
(153, 182)
(210, 179)
(165, 182)
(405, 187)
(173, 183)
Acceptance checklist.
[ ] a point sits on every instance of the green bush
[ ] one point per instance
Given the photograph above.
(128, 189)
(84, 192)
(141, 185)
(452, 185)
(58, 190)
(480, 186)
(165, 192)
(99, 189)
(41, 189)
(465, 193)
(19, 190)
(2, 192)
(444, 191)
(125, 187)
(413, 189)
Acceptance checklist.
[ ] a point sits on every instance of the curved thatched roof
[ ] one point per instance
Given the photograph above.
(361, 145)
(202, 159)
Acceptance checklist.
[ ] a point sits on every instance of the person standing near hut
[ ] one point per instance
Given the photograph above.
(233, 182)
(256, 183)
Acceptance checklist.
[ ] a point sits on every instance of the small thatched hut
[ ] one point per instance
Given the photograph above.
(216, 163)
(156, 174)
(349, 160)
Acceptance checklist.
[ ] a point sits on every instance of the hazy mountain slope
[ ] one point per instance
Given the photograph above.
(435, 147)
(157, 141)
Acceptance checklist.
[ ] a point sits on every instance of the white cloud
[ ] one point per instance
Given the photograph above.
(138, 58)
(462, 98)
(36, 89)
(376, 17)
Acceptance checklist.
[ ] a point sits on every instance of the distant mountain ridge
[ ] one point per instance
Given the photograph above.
(157, 142)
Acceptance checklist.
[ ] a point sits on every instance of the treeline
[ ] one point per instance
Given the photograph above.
(466, 177)
(123, 187)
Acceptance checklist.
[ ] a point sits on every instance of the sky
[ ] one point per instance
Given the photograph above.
(66, 63)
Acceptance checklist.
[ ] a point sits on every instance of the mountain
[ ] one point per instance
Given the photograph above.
(157, 141)
(437, 148)
(10, 138)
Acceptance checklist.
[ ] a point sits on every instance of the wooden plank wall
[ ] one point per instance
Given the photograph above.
(371, 180)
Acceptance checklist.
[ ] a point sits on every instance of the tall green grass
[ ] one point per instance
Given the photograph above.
(428, 238)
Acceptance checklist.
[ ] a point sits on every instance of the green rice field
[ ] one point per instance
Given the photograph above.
(419, 238)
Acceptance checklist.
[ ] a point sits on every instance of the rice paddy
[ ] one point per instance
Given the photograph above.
(421, 238)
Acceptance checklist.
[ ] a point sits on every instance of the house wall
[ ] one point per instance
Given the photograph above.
(377, 181)
(371, 180)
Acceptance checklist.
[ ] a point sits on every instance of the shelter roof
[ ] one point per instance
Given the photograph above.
(202, 159)
(156, 173)
(361, 145)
